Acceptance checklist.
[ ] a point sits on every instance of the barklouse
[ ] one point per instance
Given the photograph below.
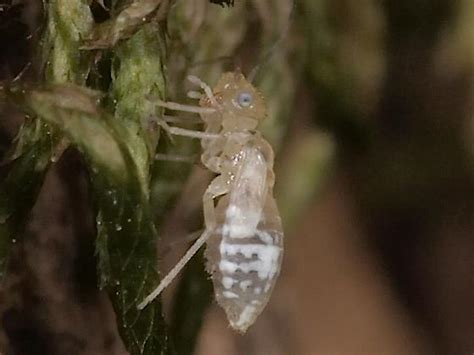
(243, 230)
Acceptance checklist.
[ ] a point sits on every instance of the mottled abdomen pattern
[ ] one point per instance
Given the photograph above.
(244, 254)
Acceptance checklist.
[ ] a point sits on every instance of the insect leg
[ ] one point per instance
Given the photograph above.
(176, 269)
(207, 89)
(175, 158)
(185, 108)
(177, 131)
(174, 119)
(216, 188)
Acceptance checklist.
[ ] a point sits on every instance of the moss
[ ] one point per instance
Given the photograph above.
(144, 51)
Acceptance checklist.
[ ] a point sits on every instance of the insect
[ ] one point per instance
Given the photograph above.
(243, 231)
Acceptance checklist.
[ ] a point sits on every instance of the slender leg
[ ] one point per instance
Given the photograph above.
(216, 188)
(176, 269)
(177, 131)
(175, 158)
(185, 108)
(175, 119)
(207, 89)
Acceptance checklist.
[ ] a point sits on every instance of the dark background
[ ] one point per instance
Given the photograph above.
(380, 261)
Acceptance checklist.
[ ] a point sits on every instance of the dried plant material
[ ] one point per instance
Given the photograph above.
(127, 22)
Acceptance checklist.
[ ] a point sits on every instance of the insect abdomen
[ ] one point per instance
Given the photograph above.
(245, 254)
(246, 274)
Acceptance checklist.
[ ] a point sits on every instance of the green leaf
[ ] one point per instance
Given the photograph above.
(67, 23)
(126, 233)
(138, 75)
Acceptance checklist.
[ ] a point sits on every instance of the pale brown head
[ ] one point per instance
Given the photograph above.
(242, 106)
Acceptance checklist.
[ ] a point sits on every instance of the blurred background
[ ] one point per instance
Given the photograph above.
(371, 115)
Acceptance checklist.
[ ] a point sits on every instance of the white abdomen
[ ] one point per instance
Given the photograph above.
(244, 255)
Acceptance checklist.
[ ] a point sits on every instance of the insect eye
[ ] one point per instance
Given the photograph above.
(244, 99)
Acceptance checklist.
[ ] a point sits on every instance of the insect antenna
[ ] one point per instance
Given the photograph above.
(227, 59)
(275, 46)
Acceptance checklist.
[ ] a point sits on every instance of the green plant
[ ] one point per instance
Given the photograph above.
(95, 93)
